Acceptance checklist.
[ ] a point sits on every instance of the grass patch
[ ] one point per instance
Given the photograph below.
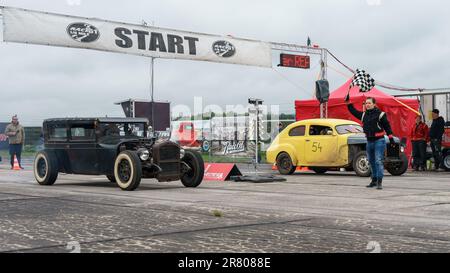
(217, 213)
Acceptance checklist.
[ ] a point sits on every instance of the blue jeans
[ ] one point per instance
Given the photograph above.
(375, 155)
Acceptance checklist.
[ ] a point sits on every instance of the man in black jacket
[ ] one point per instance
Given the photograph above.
(376, 126)
(436, 132)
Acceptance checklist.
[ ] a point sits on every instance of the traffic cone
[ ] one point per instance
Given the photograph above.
(16, 166)
(302, 169)
(274, 167)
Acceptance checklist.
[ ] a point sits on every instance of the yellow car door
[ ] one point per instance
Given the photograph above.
(297, 140)
(321, 146)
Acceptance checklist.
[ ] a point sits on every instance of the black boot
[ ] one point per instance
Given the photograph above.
(373, 183)
(379, 184)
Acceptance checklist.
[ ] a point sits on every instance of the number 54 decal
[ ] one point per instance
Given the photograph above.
(316, 147)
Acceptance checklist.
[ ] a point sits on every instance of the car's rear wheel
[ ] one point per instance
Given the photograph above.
(361, 164)
(128, 170)
(284, 164)
(398, 168)
(319, 170)
(45, 168)
(194, 175)
(111, 178)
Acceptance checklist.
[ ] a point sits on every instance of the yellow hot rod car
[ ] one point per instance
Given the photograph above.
(330, 144)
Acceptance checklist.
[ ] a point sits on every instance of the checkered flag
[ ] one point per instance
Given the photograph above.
(363, 80)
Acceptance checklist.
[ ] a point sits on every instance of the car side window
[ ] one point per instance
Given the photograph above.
(82, 132)
(57, 132)
(298, 131)
(318, 130)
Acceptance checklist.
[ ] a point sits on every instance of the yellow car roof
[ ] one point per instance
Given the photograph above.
(325, 121)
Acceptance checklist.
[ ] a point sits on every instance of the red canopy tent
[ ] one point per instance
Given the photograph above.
(400, 116)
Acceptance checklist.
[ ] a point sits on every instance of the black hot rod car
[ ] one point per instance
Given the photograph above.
(116, 147)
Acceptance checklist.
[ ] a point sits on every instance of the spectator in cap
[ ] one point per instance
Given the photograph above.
(436, 132)
(16, 136)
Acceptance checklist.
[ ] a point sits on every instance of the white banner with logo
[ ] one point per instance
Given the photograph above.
(34, 27)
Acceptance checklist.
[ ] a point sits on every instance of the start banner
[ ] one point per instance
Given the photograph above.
(35, 27)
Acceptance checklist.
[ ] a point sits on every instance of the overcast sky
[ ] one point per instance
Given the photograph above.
(402, 42)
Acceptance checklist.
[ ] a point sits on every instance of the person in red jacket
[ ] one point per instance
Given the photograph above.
(419, 138)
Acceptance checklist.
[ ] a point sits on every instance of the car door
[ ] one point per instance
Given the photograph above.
(57, 142)
(82, 150)
(320, 146)
(296, 138)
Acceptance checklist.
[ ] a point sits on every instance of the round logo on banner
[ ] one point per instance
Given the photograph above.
(224, 49)
(83, 32)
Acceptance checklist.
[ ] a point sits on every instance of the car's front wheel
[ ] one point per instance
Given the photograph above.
(45, 168)
(128, 170)
(284, 164)
(446, 161)
(361, 164)
(398, 168)
(195, 169)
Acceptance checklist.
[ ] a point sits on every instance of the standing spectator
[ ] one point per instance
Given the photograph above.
(419, 139)
(16, 136)
(280, 127)
(277, 130)
(436, 132)
(376, 126)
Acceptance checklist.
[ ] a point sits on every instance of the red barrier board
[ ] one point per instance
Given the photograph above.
(446, 138)
(220, 171)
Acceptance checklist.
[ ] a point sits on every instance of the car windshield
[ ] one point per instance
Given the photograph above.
(122, 130)
(349, 129)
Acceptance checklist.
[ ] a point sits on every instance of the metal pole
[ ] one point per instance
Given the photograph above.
(152, 63)
(325, 64)
(210, 139)
(423, 92)
(152, 89)
(256, 138)
(448, 107)
(323, 76)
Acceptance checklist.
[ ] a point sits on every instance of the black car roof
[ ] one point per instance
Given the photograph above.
(102, 120)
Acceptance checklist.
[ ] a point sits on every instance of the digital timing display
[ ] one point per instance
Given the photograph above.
(297, 61)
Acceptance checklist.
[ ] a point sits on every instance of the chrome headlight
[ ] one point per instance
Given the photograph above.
(182, 153)
(144, 154)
